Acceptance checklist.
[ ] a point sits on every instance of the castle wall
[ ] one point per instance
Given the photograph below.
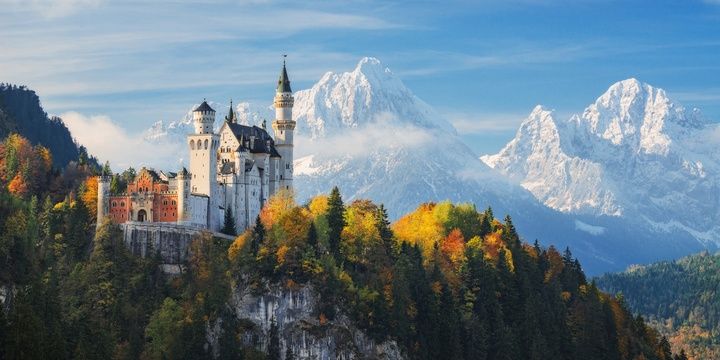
(119, 209)
(171, 241)
(198, 210)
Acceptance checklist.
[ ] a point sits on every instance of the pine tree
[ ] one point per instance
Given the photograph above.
(336, 222)
(386, 235)
(115, 186)
(486, 223)
(106, 169)
(229, 225)
(258, 236)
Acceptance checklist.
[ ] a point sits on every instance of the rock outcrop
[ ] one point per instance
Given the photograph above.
(293, 310)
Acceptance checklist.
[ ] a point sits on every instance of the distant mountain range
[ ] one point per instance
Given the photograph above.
(366, 132)
(633, 153)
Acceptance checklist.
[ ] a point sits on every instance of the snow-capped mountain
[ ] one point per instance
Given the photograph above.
(176, 131)
(367, 133)
(368, 94)
(634, 153)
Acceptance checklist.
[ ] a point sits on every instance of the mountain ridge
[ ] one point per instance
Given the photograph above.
(633, 153)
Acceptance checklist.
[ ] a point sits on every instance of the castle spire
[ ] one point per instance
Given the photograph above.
(284, 81)
(230, 118)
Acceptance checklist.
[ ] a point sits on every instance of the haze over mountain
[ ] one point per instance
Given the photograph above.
(633, 153)
(366, 132)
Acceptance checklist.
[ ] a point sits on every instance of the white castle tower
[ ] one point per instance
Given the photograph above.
(284, 127)
(103, 198)
(203, 151)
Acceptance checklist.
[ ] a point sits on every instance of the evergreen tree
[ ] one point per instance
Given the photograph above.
(106, 169)
(257, 237)
(336, 221)
(386, 235)
(229, 223)
(115, 185)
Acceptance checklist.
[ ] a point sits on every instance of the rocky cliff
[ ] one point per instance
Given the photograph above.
(293, 310)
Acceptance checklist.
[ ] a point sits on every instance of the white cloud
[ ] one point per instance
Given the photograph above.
(52, 8)
(482, 123)
(363, 141)
(109, 142)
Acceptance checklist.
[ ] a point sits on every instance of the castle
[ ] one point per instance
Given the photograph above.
(233, 171)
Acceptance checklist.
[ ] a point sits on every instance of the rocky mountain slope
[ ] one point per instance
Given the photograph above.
(633, 153)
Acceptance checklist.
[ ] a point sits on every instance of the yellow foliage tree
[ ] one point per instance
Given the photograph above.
(360, 235)
(278, 204)
(420, 227)
(90, 195)
(238, 245)
(318, 205)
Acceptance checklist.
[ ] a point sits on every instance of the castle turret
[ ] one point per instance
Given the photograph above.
(103, 198)
(203, 151)
(204, 118)
(284, 128)
(183, 192)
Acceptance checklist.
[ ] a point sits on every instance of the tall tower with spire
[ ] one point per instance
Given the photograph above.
(284, 128)
(203, 152)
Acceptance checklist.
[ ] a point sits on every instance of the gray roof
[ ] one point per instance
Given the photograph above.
(284, 81)
(264, 143)
(204, 107)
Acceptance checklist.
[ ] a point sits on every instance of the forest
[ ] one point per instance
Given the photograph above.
(444, 281)
(678, 297)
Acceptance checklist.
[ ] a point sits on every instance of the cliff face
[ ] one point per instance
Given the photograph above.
(293, 312)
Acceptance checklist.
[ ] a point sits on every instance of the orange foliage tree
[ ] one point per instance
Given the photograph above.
(90, 195)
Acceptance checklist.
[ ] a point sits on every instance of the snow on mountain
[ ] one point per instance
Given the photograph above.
(368, 134)
(177, 130)
(634, 153)
(355, 99)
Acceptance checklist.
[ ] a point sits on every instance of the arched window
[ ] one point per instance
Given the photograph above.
(114, 204)
(192, 144)
(206, 144)
(122, 203)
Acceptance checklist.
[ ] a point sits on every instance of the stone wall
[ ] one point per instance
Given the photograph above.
(171, 240)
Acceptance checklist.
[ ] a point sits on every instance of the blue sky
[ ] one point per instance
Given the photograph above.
(482, 64)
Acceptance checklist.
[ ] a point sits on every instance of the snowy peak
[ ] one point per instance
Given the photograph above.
(638, 116)
(368, 95)
(633, 152)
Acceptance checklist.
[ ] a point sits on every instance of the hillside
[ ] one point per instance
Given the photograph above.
(680, 298)
(21, 112)
(326, 279)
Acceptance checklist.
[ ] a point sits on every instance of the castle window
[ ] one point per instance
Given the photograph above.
(206, 144)
(114, 204)
(173, 202)
(192, 144)
(122, 203)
